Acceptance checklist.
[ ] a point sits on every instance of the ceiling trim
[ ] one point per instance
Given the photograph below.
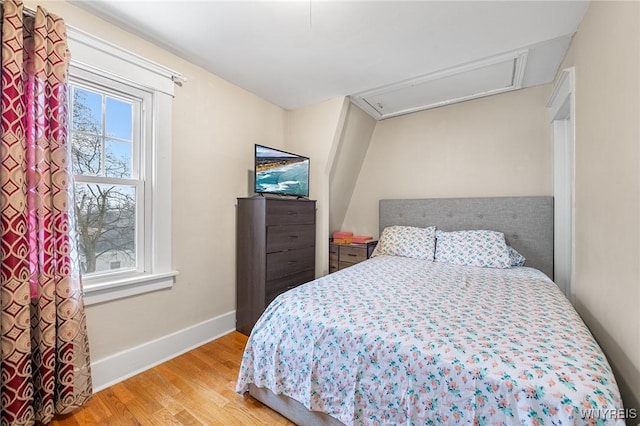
(561, 91)
(519, 57)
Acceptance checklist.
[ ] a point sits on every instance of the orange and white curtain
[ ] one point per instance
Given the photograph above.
(45, 367)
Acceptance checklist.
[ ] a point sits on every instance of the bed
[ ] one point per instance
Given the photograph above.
(406, 340)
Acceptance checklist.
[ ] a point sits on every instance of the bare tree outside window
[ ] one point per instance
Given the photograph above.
(106, 211)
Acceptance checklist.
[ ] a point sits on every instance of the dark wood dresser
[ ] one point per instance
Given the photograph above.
(275, 252)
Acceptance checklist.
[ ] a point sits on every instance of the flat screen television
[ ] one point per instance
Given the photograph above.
(280, 172)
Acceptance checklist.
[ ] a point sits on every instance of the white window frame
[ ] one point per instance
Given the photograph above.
(141, 144)
(95, 61)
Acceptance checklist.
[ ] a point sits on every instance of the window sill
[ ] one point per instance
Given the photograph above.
(125, 287)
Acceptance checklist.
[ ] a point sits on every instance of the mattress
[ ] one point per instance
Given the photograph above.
(396, 340)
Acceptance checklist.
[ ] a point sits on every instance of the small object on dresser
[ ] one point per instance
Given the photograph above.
(342, 237)
(361, 239)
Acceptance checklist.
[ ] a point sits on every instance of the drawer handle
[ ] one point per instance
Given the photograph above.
(292, 237)
(292, 262)
(290, 213)
(351, 254)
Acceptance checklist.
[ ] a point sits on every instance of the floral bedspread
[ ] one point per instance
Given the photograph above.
(397, 340)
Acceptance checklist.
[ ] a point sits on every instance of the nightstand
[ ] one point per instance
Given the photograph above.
(344, 255)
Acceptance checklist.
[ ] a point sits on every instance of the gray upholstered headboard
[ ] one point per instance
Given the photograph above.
(527, 222)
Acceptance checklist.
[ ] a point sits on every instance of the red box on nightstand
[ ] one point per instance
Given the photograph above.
(361, 239)
(341, 237)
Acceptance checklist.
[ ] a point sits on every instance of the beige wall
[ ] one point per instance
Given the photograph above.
(215, 125)
(494, 146)
(312, 131)
(346, 162)
(606, 54)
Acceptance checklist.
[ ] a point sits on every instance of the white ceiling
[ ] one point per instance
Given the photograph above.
(297, 53)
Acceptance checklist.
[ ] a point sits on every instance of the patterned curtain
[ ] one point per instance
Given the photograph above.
(45, 352)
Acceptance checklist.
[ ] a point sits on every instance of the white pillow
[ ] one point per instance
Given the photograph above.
(516, 258)
(473, 248)
(407, 241)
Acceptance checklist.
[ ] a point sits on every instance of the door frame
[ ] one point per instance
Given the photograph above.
(562, 115)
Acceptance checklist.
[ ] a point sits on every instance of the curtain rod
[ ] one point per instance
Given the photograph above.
(28, 11)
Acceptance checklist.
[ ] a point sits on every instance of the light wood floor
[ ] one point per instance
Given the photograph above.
(197, 388)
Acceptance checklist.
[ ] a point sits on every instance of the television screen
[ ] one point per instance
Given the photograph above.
(280, 172)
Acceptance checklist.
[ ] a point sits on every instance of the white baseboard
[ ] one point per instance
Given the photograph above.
(108, 371)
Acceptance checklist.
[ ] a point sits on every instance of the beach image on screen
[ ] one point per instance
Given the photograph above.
(278, 172)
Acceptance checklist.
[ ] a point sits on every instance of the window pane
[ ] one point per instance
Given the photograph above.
(117, 159)
(119, 118)
(106, 217)
(86, 153)
(87, 111)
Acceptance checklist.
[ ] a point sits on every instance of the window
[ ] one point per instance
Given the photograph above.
(107, 157)
(120, 136)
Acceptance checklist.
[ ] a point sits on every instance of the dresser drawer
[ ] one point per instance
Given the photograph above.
(290, 213)
(343, 265)
(284, 263)
(333, 265)
(333, 251)
(352, 254)
(274, 288)
(287, 237)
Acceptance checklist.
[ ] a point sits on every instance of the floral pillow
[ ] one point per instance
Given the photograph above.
(516, 258)
(407, 241)
(473, 248)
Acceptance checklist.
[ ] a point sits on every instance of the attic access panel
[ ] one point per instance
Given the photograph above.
(482, 78)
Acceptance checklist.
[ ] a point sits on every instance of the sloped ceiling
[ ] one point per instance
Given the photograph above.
(297, 53)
